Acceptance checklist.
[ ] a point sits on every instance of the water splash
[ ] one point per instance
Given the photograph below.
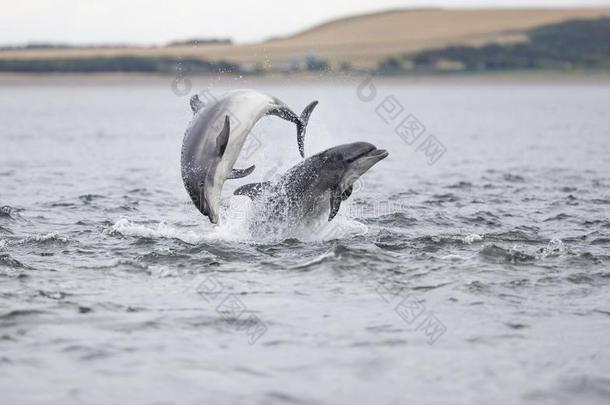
(240, 221)
(127, 228)
(473, 237)
(556, 247)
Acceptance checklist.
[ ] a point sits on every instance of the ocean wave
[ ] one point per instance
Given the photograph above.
(36, 240)
(127, 228)
(601, 241)
(520, 234)
(498, 254)
(439, 199)
(517, 254)
(21, 313)
(48, 237)
(396, 219)
(9, 212)
(330, 255)
(481, 218)
(461, 185)
(438, 240)
(473, 237)
(88, 198)
(7, 260)
(513, 178)
(555, 247)
(54, 295)
(559, 217)
(587, 259)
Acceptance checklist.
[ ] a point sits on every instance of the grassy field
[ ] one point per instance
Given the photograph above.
(362, 41)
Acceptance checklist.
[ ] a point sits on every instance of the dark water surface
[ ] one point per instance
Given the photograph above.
(481, 278)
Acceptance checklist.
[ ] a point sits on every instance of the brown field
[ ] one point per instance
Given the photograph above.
(361, 40)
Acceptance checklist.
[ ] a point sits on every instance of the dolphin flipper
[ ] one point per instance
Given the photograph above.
(347, 193)
(196, 104)
(252, 190)
(335, 204)
(282, 111)
(239, 173)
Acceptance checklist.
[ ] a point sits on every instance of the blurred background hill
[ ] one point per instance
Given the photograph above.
(393, 42)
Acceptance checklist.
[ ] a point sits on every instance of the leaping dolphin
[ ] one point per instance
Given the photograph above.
(316, 186)
(215, 137)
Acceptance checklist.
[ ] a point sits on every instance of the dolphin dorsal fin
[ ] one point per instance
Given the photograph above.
(196, 104)
(223, 138)
(252, 190)
(239, 173)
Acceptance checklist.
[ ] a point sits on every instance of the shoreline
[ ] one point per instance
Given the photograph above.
(135, 79)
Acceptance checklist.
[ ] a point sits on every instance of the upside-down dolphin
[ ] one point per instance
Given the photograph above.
(215, 137)
(316, 186)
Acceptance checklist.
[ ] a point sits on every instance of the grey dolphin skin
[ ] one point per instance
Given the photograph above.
(215, 137)
(316, 186)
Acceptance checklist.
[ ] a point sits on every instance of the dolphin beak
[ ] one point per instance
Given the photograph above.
(212, 214)
(379, 154)
(213, 218)
(211, 210)
(375, 156)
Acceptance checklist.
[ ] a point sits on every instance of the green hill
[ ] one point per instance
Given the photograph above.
(577, 44)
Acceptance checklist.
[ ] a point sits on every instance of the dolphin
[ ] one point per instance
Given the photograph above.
(315, 187)
(215, 137)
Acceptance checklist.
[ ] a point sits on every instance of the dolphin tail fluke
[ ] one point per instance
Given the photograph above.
(282, 111)
(302, 126)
